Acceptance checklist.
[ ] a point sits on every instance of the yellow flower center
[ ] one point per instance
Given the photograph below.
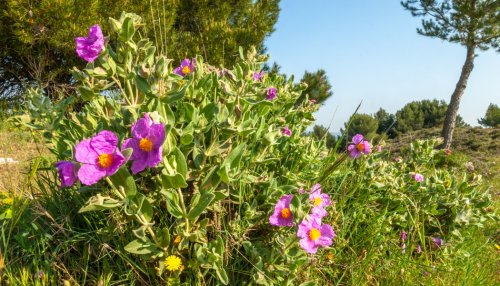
(186, 70)
(360, 146)
(286, 213)
(173, 263)
(317, 201)
(145, 145)
(314, 233)
(105, 160)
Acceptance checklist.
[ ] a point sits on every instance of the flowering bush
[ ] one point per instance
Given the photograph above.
(177, 151)
(202, 172)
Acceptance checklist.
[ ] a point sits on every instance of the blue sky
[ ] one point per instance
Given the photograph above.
(371, 52)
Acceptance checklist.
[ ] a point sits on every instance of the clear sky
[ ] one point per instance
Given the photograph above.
(371, 52)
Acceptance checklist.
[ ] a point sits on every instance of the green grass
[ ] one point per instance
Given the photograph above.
(48, 243)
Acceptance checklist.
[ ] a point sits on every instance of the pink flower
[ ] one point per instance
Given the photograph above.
(257, 76)
(403, 235)
(316, 187)
(89, 48)
(320, 201)
(186, 67)
(379, 148)
(419, 249)
(282, 215)
(418, 177)
(67, 173)
(313, 234)
(301, 191)
(358, 146)
(100, 157)
(286, 131)
(147, 140)
(271, 93)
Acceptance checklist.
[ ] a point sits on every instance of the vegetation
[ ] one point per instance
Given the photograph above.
(473, 24)
(201, 214)
(492, 116)
(37, 37)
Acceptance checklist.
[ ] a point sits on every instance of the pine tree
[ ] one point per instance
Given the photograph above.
(474, 24)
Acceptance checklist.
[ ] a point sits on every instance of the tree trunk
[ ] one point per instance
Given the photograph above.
(452, 112)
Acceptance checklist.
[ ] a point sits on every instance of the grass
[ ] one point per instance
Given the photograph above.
(47, 243)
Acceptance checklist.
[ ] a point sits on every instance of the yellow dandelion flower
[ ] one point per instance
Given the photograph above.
(8, 201)
(173, 263)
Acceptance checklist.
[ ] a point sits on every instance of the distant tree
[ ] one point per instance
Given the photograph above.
(320, 132)
(318, 87)
(471, 23)
(37, 46)
(417, 115)
(386, 122)
(492, 116)
(361, 123)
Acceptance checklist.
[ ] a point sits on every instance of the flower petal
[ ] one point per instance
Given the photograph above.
(104, 142)
(84, 153)
(90, 174)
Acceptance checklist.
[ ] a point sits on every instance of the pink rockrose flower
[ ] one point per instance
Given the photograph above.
(282, 215)
(358, 146)
(67, 174)
(146, 143)
(89, 48)
(286, 131)
(100, 157)
(186, 67)
(257, 76)
(418, 177)
(313, 234)
(271, 93)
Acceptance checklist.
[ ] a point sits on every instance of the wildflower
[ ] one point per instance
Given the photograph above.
(147, 141)
(89, 48)
(186, 67)
(419, 249)
(418, 177)
(67, 173)
(438, 242)
(271, 93)
(286, 131)
(173, 263)
(359, 145)
(282, 215)
(100, 157)
(258, 75)
(403, 235)
(301, 191)
(177, 239)
(316, 187)
(319, 199)
(312, 101)
(313, 234)
(379, 148)
(8, 201)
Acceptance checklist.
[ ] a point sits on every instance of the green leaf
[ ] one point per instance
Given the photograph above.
(98, 202)
(222, 275)
(86, 93)
(141, 247)
(123, 178)
(173, 181)
(143, 85)
(173, 203)
(128, 30)
(202, 204)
